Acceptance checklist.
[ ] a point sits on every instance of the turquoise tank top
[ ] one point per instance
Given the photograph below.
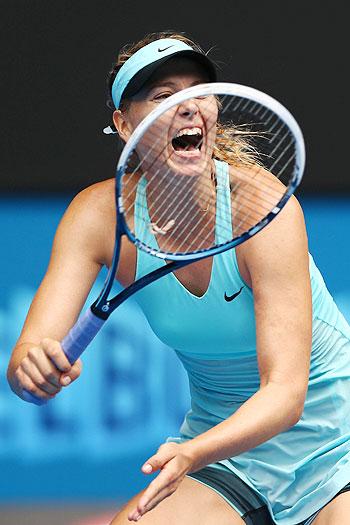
(297, 471)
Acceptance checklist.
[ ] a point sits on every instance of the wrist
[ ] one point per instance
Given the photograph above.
(195, 455)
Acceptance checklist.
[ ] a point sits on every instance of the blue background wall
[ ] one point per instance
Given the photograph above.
(90, 442)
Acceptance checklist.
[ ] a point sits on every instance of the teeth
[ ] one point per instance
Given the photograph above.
(189, 131)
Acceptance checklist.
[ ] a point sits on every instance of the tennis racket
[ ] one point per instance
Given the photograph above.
(166, 185)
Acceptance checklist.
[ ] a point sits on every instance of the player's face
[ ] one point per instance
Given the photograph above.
(181, 141)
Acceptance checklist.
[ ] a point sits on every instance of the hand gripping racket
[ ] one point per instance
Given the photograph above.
(166, 198)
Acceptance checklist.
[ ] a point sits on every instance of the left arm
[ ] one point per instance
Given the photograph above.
(278, 265)
(276, 261)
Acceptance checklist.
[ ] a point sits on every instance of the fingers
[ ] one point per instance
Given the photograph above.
(165, 484)
(42, 374)
(45, 370)
(25, 382)
(54, 351)
(165, 453)
(162, 487)
(157, 487)
(163, 494)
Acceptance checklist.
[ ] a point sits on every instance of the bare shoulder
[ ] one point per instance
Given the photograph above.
(95, 200)
(280, 250)
(89, 221)
(287, 227)
(254, 193)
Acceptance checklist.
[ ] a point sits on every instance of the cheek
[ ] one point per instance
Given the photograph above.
(211, 125)
(213, 113)
(137, 112)
(210, 113)
(154, 143)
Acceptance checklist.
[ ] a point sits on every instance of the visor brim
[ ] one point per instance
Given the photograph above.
(142, 76)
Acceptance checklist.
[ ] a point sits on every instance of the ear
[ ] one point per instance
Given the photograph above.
(121, 125)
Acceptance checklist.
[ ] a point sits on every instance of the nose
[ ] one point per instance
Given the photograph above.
(188, 108)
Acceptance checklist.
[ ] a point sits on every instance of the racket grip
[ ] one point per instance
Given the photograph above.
(81, 335)
(74, 344)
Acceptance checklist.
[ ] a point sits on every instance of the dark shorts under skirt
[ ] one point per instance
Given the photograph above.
(241, 497)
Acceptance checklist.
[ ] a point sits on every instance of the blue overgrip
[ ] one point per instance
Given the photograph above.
(74, 344)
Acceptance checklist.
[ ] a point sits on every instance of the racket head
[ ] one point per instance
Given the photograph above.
(270, 138)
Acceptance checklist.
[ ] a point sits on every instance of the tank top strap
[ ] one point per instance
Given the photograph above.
(141, 210)
(223, 227)
(145, 263)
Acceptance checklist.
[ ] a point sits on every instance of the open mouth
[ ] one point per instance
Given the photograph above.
(188, 140)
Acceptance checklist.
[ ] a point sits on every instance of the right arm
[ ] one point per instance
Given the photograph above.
(38, 363)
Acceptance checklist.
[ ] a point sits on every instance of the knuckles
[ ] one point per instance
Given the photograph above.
(40, 370)
(168, 448)
(32, 354)
(171, 476)
(51, 347)
(22, 366)
(47, 342)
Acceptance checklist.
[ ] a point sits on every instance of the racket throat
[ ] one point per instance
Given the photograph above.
(141, 283)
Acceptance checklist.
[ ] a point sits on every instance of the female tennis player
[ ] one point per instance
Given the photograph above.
(267, 439)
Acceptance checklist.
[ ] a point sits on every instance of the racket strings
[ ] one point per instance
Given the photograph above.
(252, 209)
(276, 196)
(150, 151)
(199, 235)
(223, 226)
(250, 218)
(164, 190)
(142, 161)
(225, 229)
(154, 209)
(182, 209)
(140, 164)
(183, 213)
(273, 193)
(156, 173)
(176, 192)
(275, 135)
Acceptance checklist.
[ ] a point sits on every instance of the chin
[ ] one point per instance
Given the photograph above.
(187, 165)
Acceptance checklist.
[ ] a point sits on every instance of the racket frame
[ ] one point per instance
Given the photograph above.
(103, 307)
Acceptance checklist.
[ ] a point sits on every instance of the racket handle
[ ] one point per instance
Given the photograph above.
(74, 344)
(81, 334)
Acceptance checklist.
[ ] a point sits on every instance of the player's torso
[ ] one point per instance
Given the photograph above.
(195, 277)
(215, 220)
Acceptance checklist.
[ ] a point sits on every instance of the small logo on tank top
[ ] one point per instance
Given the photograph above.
(229, 298)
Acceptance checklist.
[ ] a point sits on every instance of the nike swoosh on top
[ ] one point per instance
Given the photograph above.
(161, 50)
(229, 298)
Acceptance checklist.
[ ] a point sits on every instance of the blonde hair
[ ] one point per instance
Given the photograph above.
(232, 143)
